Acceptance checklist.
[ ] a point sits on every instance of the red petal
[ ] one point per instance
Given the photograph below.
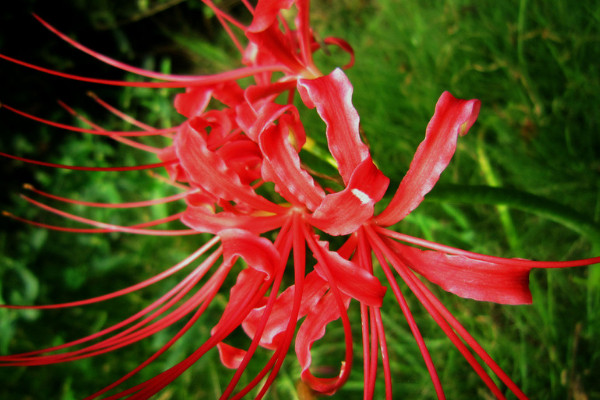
(243, 157)
(193, 102)
(281, 165)
(259, 92)
(208, 170)
(342, 44)
(273, 42)
(314, 289)
(332, 96)
(203, 219)
(311, 330)
(266, 13)
(452, 117)
(469, 278)
(259, 253)
(344, 212)
(229, 93)
(221, 124)
(231, 357)
(174, 168)
(265, 117)
(350, 278)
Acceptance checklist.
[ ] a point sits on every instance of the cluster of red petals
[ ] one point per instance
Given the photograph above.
(238, 139)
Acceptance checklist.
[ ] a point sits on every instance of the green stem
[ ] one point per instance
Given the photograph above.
(503, 211)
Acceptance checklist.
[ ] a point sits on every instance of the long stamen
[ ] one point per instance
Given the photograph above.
(135, 204)
(408, 314)
(167, 180)
(113, 62)
(483, 257)
(373, 359)
(299, 275)
(419, 289)
(226, 16)
(80, 168)
(156, 278)
(221, 274)
(365, 328)
(204, 80)
(125, 117)
(128, 142)
(175, 293)
(111, 227)
(248, 6)
(170, 218)
(287, 244)
(368, 324)
(385, 360)
(90, 131)
(457, 326)
(259, 377)
(155, 384)
(274, 363)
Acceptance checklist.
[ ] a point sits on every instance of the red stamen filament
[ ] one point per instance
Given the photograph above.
(483, 257)
(135, 204)
(79, 168)
(156, 278)
(218, 277)
(107, 227)
(205, 80)
(121, 114)
(115, 63)
(120, 139)
(90, 131)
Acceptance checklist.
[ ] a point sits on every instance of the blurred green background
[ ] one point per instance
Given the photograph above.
(533, 64)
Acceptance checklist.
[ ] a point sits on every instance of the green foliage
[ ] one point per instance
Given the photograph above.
(533, 64)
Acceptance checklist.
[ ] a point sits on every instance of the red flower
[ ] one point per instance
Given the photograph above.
(220, 156)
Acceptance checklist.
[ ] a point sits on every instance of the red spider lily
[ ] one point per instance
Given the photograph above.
(220, 156)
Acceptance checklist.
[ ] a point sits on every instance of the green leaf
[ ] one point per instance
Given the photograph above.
(520, 200)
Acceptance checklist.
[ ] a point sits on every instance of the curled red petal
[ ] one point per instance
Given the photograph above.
(272, 42)
(258, 92)
(314, 289)
(281, 165)
(311, 330)
(231, 357)
(193, 102)
(452, 117)
(332, 96)
(229, 93)
(206, 169)
(202, 218)
(469, 278)
(243, 157)
(259, 253)
(174, 168)
(266, 117)
(349, 278)
(344, 212)
(342, 44)
(266, 13)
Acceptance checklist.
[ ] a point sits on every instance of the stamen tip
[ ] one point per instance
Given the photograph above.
(7, 214)
(28, 186)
